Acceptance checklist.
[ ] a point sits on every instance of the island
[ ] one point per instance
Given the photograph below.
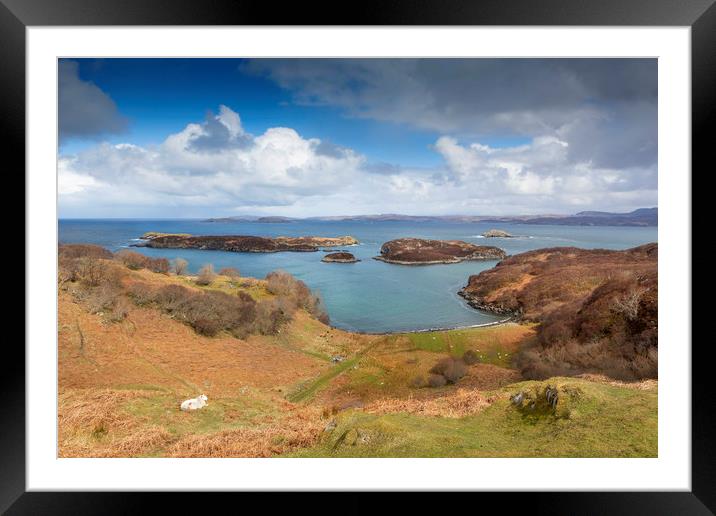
(419, 251)
(242, 243)
(496, 233)
(340, 257)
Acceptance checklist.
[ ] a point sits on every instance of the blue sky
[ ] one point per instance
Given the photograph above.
(312, 136)
(159, 96)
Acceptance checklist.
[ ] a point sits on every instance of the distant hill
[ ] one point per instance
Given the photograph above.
(267, 220)
(638, 217)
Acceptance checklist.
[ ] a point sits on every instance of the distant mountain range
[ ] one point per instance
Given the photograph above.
(639, 217)
(267, 220)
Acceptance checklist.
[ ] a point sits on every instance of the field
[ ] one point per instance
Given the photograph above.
(310, 390)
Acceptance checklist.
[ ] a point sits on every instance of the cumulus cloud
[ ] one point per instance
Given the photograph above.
(215, 167)
(210, 164)
(541, 175)
(84, 110)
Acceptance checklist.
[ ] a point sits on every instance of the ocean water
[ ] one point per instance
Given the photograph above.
(368, 296)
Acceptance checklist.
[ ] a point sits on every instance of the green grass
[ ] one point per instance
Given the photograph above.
(230, 286)
(219, 414)
(596, 420)
(456, 342)
(308, 389)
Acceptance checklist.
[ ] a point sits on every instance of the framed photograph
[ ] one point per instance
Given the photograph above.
(419, 252)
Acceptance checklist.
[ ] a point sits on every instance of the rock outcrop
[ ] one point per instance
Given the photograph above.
(418, 251)
(496, 233)
(243, 243)
(341, 257)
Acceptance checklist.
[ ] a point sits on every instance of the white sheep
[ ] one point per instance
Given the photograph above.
(195, 403)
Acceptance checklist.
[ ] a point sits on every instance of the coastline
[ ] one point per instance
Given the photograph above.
(430, 330)
(435, 262)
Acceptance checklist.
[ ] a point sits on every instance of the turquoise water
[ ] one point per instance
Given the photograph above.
(368, 296)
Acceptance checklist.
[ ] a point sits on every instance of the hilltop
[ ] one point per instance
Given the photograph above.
(136, 338)
(597, 310)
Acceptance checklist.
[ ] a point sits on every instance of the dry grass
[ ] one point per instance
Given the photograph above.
(299, 430)
(92, 424)
(150, 348)
(642, 385)
(460, 403)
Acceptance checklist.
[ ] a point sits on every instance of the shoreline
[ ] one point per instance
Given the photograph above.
(436, 262)
(429, 330)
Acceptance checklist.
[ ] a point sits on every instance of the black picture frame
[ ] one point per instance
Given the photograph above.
(700, 15)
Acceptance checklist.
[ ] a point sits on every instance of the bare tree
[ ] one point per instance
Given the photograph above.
(628, 303)
(179, 266)
(230, 272)
(206, 275)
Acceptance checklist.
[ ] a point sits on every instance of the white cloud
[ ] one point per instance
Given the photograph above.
(215, 167)
(543, 173)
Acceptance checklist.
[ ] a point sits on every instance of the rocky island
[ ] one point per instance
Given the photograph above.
(418, 251)
(341, 257)
(496, 233)
(243, 243)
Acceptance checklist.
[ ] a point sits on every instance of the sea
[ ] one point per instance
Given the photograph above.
(369, 296)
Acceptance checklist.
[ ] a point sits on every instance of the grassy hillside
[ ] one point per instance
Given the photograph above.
(596, 309)
(602, 421)
(126, 360)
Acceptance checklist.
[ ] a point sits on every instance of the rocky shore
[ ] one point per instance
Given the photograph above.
(243, 243)
(418, 251)
(341, 257)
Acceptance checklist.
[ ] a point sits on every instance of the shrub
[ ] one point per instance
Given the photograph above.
(470, 357)
(295, 291)
(91, 272)
(135, 261)
(206, 275)
(83, 251)
(418, 381)
(206, 326)
(279, 283)
(436, 380)
(160, 265)
(131, 259)
(102, 298)
(179, 266)
(271, 314)
(211, 312)
(451, 368)
(172, 297)
(120, 310)
(230, 272)
(141, 293)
